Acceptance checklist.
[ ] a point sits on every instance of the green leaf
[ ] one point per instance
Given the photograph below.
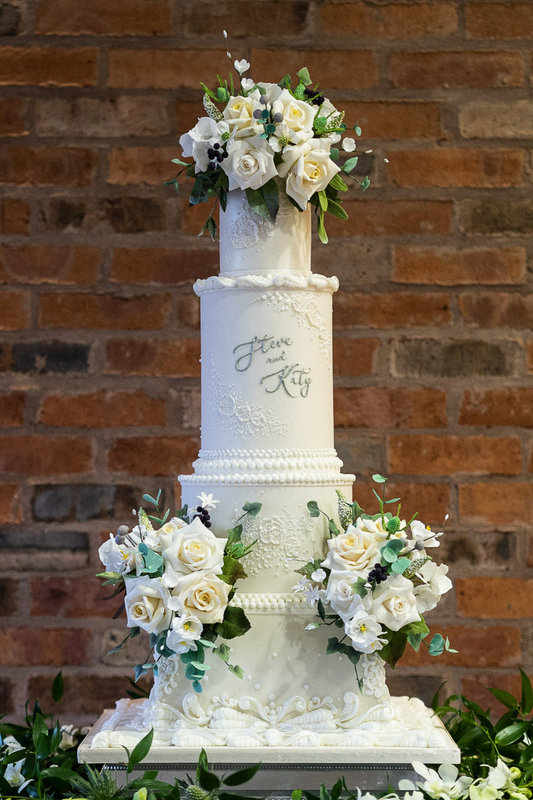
(323, 200)
(313, 509)
(257, 202)
(236, 670)
(241, 776)
(401, 565)
(350, 164)
(57, 688)
(337, 183)
(526, 702)
(321, 610)
(212, 228)
(208, 780)
(322, 235)
(232, 570)
(148, 498)
(222, 94)
(304, 76)
(472, 738)
(377, 478)
(296, 795)
(336, 209)
(252, 509)
(334, 153)
(512, 733)
(436, 645)
(140, 750)
(270, 192)
(359, 587)
(235, 623)
(332, 646)
(365, 183)
(333, 529)
(200, 667)
(505, 698)
(320, 123)
(415, 640)
(152, 561)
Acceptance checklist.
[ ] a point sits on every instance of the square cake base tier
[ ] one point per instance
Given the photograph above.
(283, 768)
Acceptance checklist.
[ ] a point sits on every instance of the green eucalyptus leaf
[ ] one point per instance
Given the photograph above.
(350, 164)
(377, 478)
(313, 509)
(252, 509)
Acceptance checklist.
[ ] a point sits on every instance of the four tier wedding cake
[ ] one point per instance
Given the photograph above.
(268, 449)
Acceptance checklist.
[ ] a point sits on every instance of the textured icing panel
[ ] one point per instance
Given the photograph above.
(213, 461)
(251, 244)
(317, 282)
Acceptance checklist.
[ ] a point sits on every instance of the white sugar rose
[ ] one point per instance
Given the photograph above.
(250, 163)
(146, 604)
(203, 596)
(192, 548)
(185, 631)
(436, 583)
(394, 603)
(196, 142)
(340, 595)
(308, 169)
(364, 631)
(355, 550)
(239, 114)
(297, 114)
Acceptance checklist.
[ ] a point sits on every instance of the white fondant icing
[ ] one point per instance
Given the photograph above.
(314, 282)
(251, 244)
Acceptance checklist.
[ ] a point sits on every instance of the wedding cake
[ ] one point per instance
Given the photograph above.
(268, 449)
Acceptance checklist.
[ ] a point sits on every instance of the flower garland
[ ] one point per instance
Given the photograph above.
(376, 582)
(178, 582)
(261, 137)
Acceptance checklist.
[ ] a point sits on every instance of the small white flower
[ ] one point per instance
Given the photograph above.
(184, 633)
(348, 144)
(423, 534)
(242, 66)
(365, 632)
(319, 576)
(68, 739)
(14, 776)
(229, 55)
(313, 594)
(301, 587)
(225, 34)
(247, 84)
(207, 502)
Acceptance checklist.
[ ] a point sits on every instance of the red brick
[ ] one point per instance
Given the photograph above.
(189, 311)
(153, 456)
(91, 116)
(493, 597)
(380, 407)
(430, 500)
(274, 18)
(162, 265)
(154, 357)
(350, 69)
(490, 120)
(499, 20)
(393, 21)
(474, 686)
(187, 114)
(101, 18)
(44, 263)
(496, 503)
(392, 218)
(47, 166)
(10, 504)
(15, 311)
(12, 409)
(395, 119)
(48, 66)
(12, 116)
(495, 646)
(29, 647)
(103, 409)
(447, 167)
(9, 597)
(445, 455)
(447, 266)
(141, 165)
(394, 310)
(498, 407)
(497, 310)
(474, 69)
(103, 311)
(353, 357)
(84, 694)
(44, 455)
(193, 217)
(71, 597)
(14, 217)
(166, 69)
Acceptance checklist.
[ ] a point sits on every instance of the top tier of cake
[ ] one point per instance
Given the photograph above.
(252, 245)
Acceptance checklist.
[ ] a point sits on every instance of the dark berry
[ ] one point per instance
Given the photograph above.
(207, 524)
(210, 153)
(263, 100)
(212, 165)
(225, 154)
(257, 113)
(200, 509)
(216, 146)
(318, 100)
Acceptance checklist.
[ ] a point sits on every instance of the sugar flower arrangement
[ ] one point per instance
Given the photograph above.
(376, 582)
(265, 138)
(178, 582)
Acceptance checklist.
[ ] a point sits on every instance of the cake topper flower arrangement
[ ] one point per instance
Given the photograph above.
(178, 582)
(265, 138)
(376, 583)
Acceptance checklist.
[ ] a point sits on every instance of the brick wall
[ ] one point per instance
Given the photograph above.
(99, 389)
